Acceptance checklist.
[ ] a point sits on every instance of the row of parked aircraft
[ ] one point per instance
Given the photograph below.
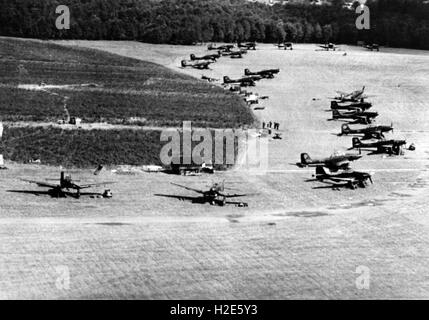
(352, 108)
(227, 50)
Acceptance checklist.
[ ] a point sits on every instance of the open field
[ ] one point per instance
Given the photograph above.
(106, 87)
(293, 241)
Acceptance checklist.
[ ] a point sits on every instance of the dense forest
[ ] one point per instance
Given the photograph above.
(401, 23)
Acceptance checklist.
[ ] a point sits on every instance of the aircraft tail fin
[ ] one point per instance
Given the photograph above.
(98, 170)
(305, 159)
(320, 171)
(335, 114)
(192, 56)
(226, 79)
(345, 128)
(356, 142)
(247, 72)
(183, 63)
(334, 105)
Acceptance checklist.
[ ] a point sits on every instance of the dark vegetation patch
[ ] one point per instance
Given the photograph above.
(81, 148)
(401, 23)
(89, 148)
(125, 88)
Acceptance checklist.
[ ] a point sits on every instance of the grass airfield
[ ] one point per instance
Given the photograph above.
(293, 241)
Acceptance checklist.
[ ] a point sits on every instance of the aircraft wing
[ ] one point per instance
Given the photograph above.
(235, 195)
(341, 163)
(86, 186)
(339, 179)
(41, 183)
(345, 94)
(188, 188)
(182, 198)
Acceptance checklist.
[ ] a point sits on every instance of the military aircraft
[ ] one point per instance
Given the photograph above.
(353, 106)
(268, 73)
(197, 65)
(372, 47)
(335, 162)
(329, 46)
(247, 45)
(60, 190)
(285, 45)
(225, 47)
(254, 98)
(359, 116)
(382, 146)
(370, 132)
(210, 57)
(355, 96)
(234, 54)
(209, 79)
(351, 179)
(245, 81)
(215, 195)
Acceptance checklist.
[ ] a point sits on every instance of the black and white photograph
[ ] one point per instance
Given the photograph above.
(214, 150)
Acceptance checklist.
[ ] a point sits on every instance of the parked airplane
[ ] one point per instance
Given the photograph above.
(370, 132)
(353, 106)
(65, 184)
(212, 57)
(355, 96)
(285, 45)
(247, 46)
(335, 162)
(359, 116)
(382, 146)
(245, 81)
(329, 46)
(209, 79)
(234, 54)
(351, 179)
(197, 65)
(268, 73)
(225, 47)
(372, 47)
(215, 195)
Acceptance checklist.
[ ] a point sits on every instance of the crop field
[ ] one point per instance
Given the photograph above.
(106, 87)
(89, 148)
(81, 148)
(297, 239)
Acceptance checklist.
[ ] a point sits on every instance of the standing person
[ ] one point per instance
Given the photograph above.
(270, 124)
(263, 124)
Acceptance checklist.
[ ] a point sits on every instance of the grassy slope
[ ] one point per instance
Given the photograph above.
(81, 148)
(130, 88)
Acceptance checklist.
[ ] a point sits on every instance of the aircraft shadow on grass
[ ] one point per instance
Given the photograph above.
(54, 194)
(199, 200)
(329, 185)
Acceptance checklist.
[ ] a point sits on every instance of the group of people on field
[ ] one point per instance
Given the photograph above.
(271, 125)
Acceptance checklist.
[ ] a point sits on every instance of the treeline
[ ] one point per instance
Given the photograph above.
(402, 23)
